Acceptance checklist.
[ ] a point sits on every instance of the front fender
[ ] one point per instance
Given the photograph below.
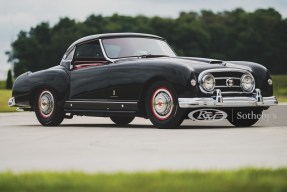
(56, 79)
(261, 75)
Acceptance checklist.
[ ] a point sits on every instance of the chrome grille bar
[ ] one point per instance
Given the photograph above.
(226, 78)
(223, 86)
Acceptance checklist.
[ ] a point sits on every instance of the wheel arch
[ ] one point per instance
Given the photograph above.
(56, 80)
(35, 91)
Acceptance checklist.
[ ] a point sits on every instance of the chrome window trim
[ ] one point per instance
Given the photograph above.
(104, 52)
(101, 45)
(128, 57)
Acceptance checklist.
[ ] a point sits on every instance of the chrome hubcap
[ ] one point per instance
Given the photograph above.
(46, 104)
(162, 103)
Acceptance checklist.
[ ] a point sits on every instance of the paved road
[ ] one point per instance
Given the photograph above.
(95, 144)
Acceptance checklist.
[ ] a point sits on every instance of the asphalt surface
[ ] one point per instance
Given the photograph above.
(97, 145)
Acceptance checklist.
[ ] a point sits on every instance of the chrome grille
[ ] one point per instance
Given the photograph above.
(227, 80)
(223, 84)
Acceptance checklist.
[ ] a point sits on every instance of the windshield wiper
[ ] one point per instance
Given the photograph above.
(152, 56)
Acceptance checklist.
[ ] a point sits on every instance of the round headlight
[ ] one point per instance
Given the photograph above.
(247, 82)
(208, 82)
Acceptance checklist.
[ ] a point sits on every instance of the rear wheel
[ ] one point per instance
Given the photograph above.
(244, 118)
(48, 109)
(122, 120)
(162, 106)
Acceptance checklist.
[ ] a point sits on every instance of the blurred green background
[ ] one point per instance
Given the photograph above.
(258, 36)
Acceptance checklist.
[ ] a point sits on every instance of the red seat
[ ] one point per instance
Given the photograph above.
(84, 64)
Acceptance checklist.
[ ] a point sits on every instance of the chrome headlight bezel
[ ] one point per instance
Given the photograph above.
(208, 83)
(247, 83)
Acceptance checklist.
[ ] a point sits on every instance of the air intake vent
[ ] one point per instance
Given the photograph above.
(216, 62)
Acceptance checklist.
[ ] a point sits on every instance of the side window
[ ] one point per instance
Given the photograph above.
(90, 50)
(88, 55)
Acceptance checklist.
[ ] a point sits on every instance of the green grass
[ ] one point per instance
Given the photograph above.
(4, 96)
(247, 180)
(282, 99)
(280, 87)
(2, 84)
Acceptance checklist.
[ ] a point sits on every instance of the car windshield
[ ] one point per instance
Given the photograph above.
(136, 47)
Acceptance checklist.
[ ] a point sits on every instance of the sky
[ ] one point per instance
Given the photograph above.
(17, 15)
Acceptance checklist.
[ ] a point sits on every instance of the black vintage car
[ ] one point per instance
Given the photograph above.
(124, 75)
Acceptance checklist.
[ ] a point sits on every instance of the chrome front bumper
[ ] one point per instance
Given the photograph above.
(11, 102)
(218, 101)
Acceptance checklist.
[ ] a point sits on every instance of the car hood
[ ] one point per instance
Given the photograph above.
(194, 64)
(200, 64)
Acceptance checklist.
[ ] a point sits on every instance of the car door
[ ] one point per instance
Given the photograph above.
(126, 81)
(89, 81)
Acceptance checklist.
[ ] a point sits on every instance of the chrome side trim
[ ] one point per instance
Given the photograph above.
(89, 101)
(101, 105)
(11, 102)
(218, 101)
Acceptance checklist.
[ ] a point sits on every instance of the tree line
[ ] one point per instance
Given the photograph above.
(259, 36)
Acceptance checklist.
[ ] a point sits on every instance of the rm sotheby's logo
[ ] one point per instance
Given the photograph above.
(207, 115)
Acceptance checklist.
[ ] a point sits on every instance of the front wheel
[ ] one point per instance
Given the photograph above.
(244, 118)
(121, 120)
(162, 106)
(47, 108)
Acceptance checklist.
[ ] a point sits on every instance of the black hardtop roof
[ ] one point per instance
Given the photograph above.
(110, 35)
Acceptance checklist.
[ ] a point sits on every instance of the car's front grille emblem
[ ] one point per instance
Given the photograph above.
(229, 82)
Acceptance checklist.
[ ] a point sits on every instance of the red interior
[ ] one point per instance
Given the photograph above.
(84, 64)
